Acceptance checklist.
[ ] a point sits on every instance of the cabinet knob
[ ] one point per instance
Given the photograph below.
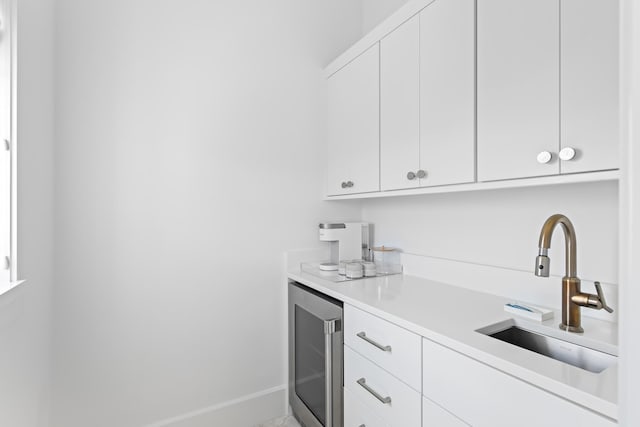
(343, 185)
(411, 176)
(422, 174)
(544, 157)
(349, 184)
(567, 153)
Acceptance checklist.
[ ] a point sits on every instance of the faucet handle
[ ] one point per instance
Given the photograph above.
(603, 303)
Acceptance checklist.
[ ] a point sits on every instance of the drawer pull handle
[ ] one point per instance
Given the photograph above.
(363, 383)
(373, 343)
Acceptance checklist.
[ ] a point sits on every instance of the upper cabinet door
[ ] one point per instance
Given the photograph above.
(353, 126)
(447, 92)
(589, 84)
(400, 107)
(518, 88)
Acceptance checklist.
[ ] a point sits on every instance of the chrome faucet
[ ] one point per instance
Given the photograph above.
(572, 298)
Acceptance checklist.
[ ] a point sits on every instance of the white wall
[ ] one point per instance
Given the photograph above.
(376, 11)
(629, 385)
(25, 311)
(500, 228)
(190, 152)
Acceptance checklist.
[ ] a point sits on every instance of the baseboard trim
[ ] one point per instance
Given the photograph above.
(270, 401)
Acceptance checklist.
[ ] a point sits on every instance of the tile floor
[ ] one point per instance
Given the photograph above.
(287, 421)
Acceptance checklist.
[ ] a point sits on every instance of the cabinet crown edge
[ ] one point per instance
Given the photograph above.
(404, 13)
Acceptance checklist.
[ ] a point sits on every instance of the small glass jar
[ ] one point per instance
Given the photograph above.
(369, 269)
(342, 268)
(354, 270)
(387, 260)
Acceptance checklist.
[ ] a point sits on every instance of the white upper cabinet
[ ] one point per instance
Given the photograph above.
(477, 92)
(518, 89)
(353, 126)
(547, 87)
(589, 84)
(400, 106)
(427, 81)
(447, 92)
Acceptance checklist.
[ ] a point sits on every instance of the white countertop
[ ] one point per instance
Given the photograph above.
(450, 316)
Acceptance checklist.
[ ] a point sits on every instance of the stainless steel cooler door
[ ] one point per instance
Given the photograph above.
(315, 358)
(310, 372)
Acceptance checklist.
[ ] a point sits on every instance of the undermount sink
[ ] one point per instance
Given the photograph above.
(573, 354)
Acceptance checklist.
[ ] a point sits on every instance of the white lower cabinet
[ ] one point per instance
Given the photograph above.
(483, 396)
(384, 385)
(357, 414)
(434, 416)
(388, 399)
(389, 346)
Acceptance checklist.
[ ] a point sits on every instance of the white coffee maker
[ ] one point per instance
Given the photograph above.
(348, 241)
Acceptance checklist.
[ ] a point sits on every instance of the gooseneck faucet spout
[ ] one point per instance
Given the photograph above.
(572, 297)
(542, 268)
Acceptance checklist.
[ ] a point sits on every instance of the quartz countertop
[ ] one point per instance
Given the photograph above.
(451, 316)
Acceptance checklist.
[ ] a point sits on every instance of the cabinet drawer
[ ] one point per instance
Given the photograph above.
(434, 416)
(393, 348)
(390, 399)
(357, 414)
(484, 396)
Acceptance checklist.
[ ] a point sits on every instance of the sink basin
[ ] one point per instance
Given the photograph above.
(573, 354)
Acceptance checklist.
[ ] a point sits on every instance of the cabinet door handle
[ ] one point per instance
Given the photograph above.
(567, 153)
(421, 174)
(544, 157)
(349, 184)
(330, 328)
(363, 383)
(411, 176)
(343, 185)
(364, 336)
